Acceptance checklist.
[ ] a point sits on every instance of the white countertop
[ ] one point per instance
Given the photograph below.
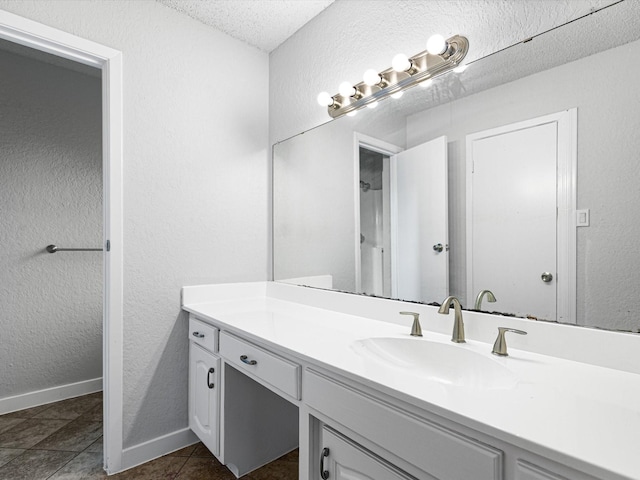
(559, 408)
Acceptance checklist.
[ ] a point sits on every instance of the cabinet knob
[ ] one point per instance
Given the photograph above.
(198, 334)
(324, 474)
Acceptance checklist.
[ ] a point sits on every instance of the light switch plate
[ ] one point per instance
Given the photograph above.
(582, 218)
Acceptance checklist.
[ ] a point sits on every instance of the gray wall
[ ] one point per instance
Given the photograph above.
(50, 192)
(195, 181)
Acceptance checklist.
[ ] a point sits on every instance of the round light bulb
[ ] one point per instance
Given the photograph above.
(324, 99)
(352, 114)
(426, 83)
(396, 95)
(372, 105)
(371, 77)
(346, 89)
(400, 63)
(460, 68)
(436, 45)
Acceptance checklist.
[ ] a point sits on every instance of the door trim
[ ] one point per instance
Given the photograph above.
(17, 29)
(566, 202)
(375, 145)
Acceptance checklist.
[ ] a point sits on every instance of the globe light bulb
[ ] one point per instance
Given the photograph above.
(397, 95)
(324, 99)
(400, 63)
(372, 105)
(426, 83)
(436, 45)
(346, 89)
(460, 68)
(352, 114)
(371, 77)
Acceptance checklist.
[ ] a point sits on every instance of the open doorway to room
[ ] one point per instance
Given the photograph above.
(61, 181)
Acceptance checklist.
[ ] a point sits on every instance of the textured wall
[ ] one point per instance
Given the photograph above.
(351, 36)
(50, 192)
(195, 181)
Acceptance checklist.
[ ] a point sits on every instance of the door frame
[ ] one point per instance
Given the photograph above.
(17, 29)
(566, 203)
(375, 145)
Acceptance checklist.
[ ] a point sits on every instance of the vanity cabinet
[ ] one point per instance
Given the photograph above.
(253, 399)
(343, 459)
(435, 450)
(204, 395)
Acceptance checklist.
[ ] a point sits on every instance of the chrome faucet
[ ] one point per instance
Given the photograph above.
(490, 298)
(458, 324)
(416, 330)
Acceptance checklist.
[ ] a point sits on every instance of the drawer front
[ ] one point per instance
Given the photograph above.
(203, 334)
(445, 454)
(275, 371)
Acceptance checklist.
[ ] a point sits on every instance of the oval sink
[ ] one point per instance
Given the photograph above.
(450, 364)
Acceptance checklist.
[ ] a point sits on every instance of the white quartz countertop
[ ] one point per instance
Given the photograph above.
(558, 408)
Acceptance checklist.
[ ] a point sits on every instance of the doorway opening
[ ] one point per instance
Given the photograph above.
(43, 39)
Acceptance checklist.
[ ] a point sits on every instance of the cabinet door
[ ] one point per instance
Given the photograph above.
(204, 398)
(342, 459)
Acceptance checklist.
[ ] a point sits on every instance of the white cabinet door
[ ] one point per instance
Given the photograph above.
(204, 397)
(342, 459)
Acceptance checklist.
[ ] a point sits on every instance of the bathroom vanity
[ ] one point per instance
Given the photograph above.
(276, 366)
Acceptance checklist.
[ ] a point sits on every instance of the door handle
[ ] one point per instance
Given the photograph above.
(210, 384)
(546, 277)
(438, 247)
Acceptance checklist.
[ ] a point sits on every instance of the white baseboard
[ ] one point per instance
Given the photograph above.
(49, 395)
(157, 447)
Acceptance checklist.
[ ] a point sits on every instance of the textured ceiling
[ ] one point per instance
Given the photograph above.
(265, 24)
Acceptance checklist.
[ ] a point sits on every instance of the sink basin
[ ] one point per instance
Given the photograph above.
(449, 364)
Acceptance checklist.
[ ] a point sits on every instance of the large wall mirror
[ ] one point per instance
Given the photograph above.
(520, 176)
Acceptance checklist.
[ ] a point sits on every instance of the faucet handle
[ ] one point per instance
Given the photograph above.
(416, 330)
(500, 346)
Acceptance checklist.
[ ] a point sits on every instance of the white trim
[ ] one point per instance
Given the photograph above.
(49, 395)
(157, 447)
(376, 145)
(566, 202)
(47, 39)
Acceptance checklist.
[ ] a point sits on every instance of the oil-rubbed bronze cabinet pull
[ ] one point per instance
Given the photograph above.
(246, 360)
(210, 384)
(324, 474)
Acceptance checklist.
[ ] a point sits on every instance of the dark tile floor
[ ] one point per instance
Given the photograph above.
(63, 441)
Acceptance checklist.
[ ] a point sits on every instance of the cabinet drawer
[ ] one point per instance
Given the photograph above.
(275, 371)
(203, 334)
(440, 452)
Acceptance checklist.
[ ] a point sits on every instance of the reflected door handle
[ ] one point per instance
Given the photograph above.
(546, 277)
(438, 247)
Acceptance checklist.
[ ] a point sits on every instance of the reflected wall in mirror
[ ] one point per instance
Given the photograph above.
(586, 69)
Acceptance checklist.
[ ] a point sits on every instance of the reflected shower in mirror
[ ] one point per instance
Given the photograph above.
(542, 203)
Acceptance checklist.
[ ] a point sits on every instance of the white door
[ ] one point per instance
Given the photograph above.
(342, 459)
(512, 207)
(419, 223)
(204, 380)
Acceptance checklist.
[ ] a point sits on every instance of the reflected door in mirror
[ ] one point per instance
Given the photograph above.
(513, 217)
(419, 222)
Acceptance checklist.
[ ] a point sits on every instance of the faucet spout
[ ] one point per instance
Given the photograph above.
(458, 324)
(490, 298)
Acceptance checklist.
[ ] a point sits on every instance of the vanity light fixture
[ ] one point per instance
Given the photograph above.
(440, 56)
